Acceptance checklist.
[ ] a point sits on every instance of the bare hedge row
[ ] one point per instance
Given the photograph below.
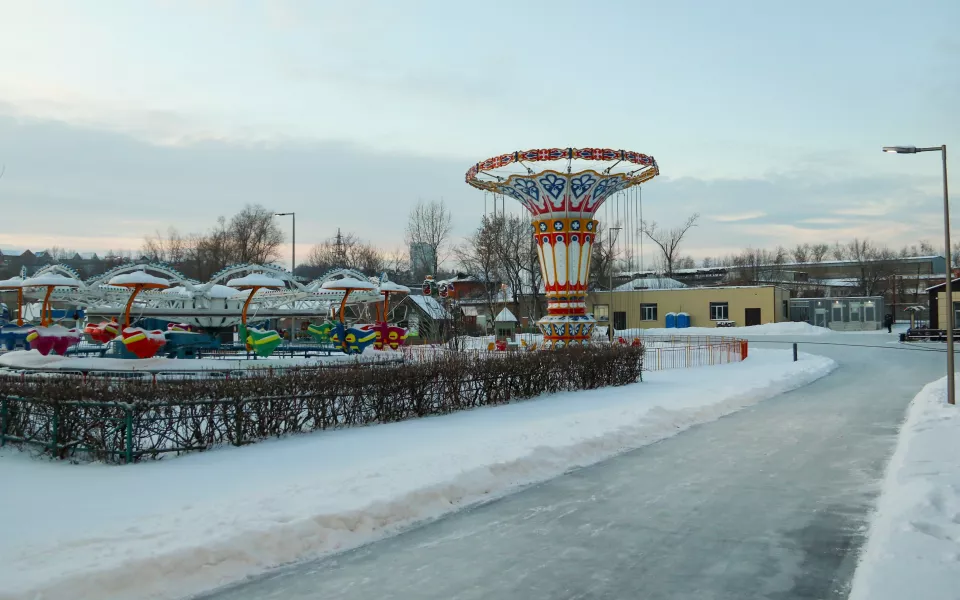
(121, 420)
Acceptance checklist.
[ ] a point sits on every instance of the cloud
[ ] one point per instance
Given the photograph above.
(738, 217)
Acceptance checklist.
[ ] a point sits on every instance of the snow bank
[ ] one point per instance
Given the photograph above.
(786, 328)
(138, 278)
(913, 549)
(175, 527)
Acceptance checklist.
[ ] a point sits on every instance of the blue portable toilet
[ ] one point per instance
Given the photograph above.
(683, 320)
(671, 320)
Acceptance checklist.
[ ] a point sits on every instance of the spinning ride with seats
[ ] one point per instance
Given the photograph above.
(261, 341)
(563, 203)
(48, 336)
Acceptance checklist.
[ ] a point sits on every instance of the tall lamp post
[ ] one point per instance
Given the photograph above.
(951, 391)
(293, 266)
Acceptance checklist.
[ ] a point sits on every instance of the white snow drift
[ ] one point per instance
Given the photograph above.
(175, 527)
(913, 549)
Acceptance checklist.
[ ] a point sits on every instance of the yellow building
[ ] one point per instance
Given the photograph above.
(746, 305)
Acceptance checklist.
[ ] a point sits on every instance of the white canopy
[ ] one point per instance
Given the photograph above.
(393, 288)
(51, 279)
(138, 278)
(505, 316)
(256, 280)
(13, 282)
(348, 283)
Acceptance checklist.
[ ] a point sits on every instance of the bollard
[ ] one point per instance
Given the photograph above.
(794, 352)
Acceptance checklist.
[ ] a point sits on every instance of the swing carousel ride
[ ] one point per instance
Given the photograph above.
(563, 199)
(116, 304)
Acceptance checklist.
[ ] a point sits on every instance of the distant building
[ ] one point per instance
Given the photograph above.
(422, 259)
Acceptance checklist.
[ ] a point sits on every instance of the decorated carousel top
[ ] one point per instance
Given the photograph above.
(562, 189)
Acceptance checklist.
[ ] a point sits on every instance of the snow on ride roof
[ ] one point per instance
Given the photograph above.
(256, 280)
(347, 283)
(138, 278)
(221, 291)
(54, 279)
(13, 282)
(505, 316)
(431, 307)
(393, 288)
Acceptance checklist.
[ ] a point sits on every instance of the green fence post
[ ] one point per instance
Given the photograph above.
(3, 422)
(128, 417)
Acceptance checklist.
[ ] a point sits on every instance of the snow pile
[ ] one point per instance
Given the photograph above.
(913, 549)
(51, 279)
(175, 527)
(135, 278)
(785, 328)
(256, 280)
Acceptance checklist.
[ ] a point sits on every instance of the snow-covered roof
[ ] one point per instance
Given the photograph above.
(13, 252)
(88, 255)
(393, 288)
(221, 291)
(650, 283)
(431, 307)
(13, 282)
(134, 278)
(55, 279)
(347, 283)
(470, 311)
(256, 280)
(505, 316)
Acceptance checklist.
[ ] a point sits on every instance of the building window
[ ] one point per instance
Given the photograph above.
(956, 316)
(648, 312)
(619, 319)
(601, 312)
(719, 311)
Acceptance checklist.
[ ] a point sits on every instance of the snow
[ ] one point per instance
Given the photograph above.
(31, 359)
(785, 328)
(54, 279)
(256, 280)
(650, 283)
(12, 283)
(913, 548)
(505, 316)
(431, 307)
(172, 528)
(135, 278)
(393, 288)
(347, 283)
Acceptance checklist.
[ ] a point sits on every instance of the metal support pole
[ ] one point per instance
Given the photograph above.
(128, 438)
(951, 386)
(794, 352)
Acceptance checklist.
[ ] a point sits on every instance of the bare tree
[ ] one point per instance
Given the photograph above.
(668, 239)
(873, 265)
(255, 236)
(428, 227)
(838, 251)
(819, 252)
(801, 253)
(346, 251)
(479, 255)
(172, 249)
(603, 255)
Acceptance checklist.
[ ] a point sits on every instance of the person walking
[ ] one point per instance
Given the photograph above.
(888, 322)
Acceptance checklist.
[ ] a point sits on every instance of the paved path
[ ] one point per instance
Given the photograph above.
(768, 503)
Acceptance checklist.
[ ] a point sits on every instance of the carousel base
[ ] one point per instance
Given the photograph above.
(560, 331)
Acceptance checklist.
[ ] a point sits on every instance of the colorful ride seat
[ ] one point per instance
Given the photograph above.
(102, 333)
(353, 340)
(143, 343)
(320, 333)
(54, 338)
(389, 336)
(13, 336)
(261, 341)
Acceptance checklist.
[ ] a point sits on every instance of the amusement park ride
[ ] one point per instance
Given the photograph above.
(563, 203)
(115, 301)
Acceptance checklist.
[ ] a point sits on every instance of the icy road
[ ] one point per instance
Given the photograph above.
(770, 502)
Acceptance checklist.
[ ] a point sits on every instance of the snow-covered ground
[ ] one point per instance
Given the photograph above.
(787, 328)
(174, 527)
(913, 548)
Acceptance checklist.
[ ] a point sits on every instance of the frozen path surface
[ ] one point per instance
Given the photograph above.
(770, 502)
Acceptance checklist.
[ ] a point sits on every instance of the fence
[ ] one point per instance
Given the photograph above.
(680, 352)
(125, 420)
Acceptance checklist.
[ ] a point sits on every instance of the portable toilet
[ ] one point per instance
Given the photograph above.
(671, 320)
(683, 320)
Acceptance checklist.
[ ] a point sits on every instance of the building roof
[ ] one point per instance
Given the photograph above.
(505, 316)
(431, 307)
(943, 285)
(650, 283)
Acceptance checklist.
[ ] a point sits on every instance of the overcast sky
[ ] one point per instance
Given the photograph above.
(121, 118)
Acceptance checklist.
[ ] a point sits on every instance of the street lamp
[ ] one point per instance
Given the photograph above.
(951, 391)
(293, 266)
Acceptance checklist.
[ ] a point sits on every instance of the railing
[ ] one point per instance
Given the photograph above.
(683, 352)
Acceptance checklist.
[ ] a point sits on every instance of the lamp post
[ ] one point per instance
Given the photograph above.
(613, 241)
(951, 391)
(293, 266)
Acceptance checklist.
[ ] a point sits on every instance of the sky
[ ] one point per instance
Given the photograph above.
(118, 119)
